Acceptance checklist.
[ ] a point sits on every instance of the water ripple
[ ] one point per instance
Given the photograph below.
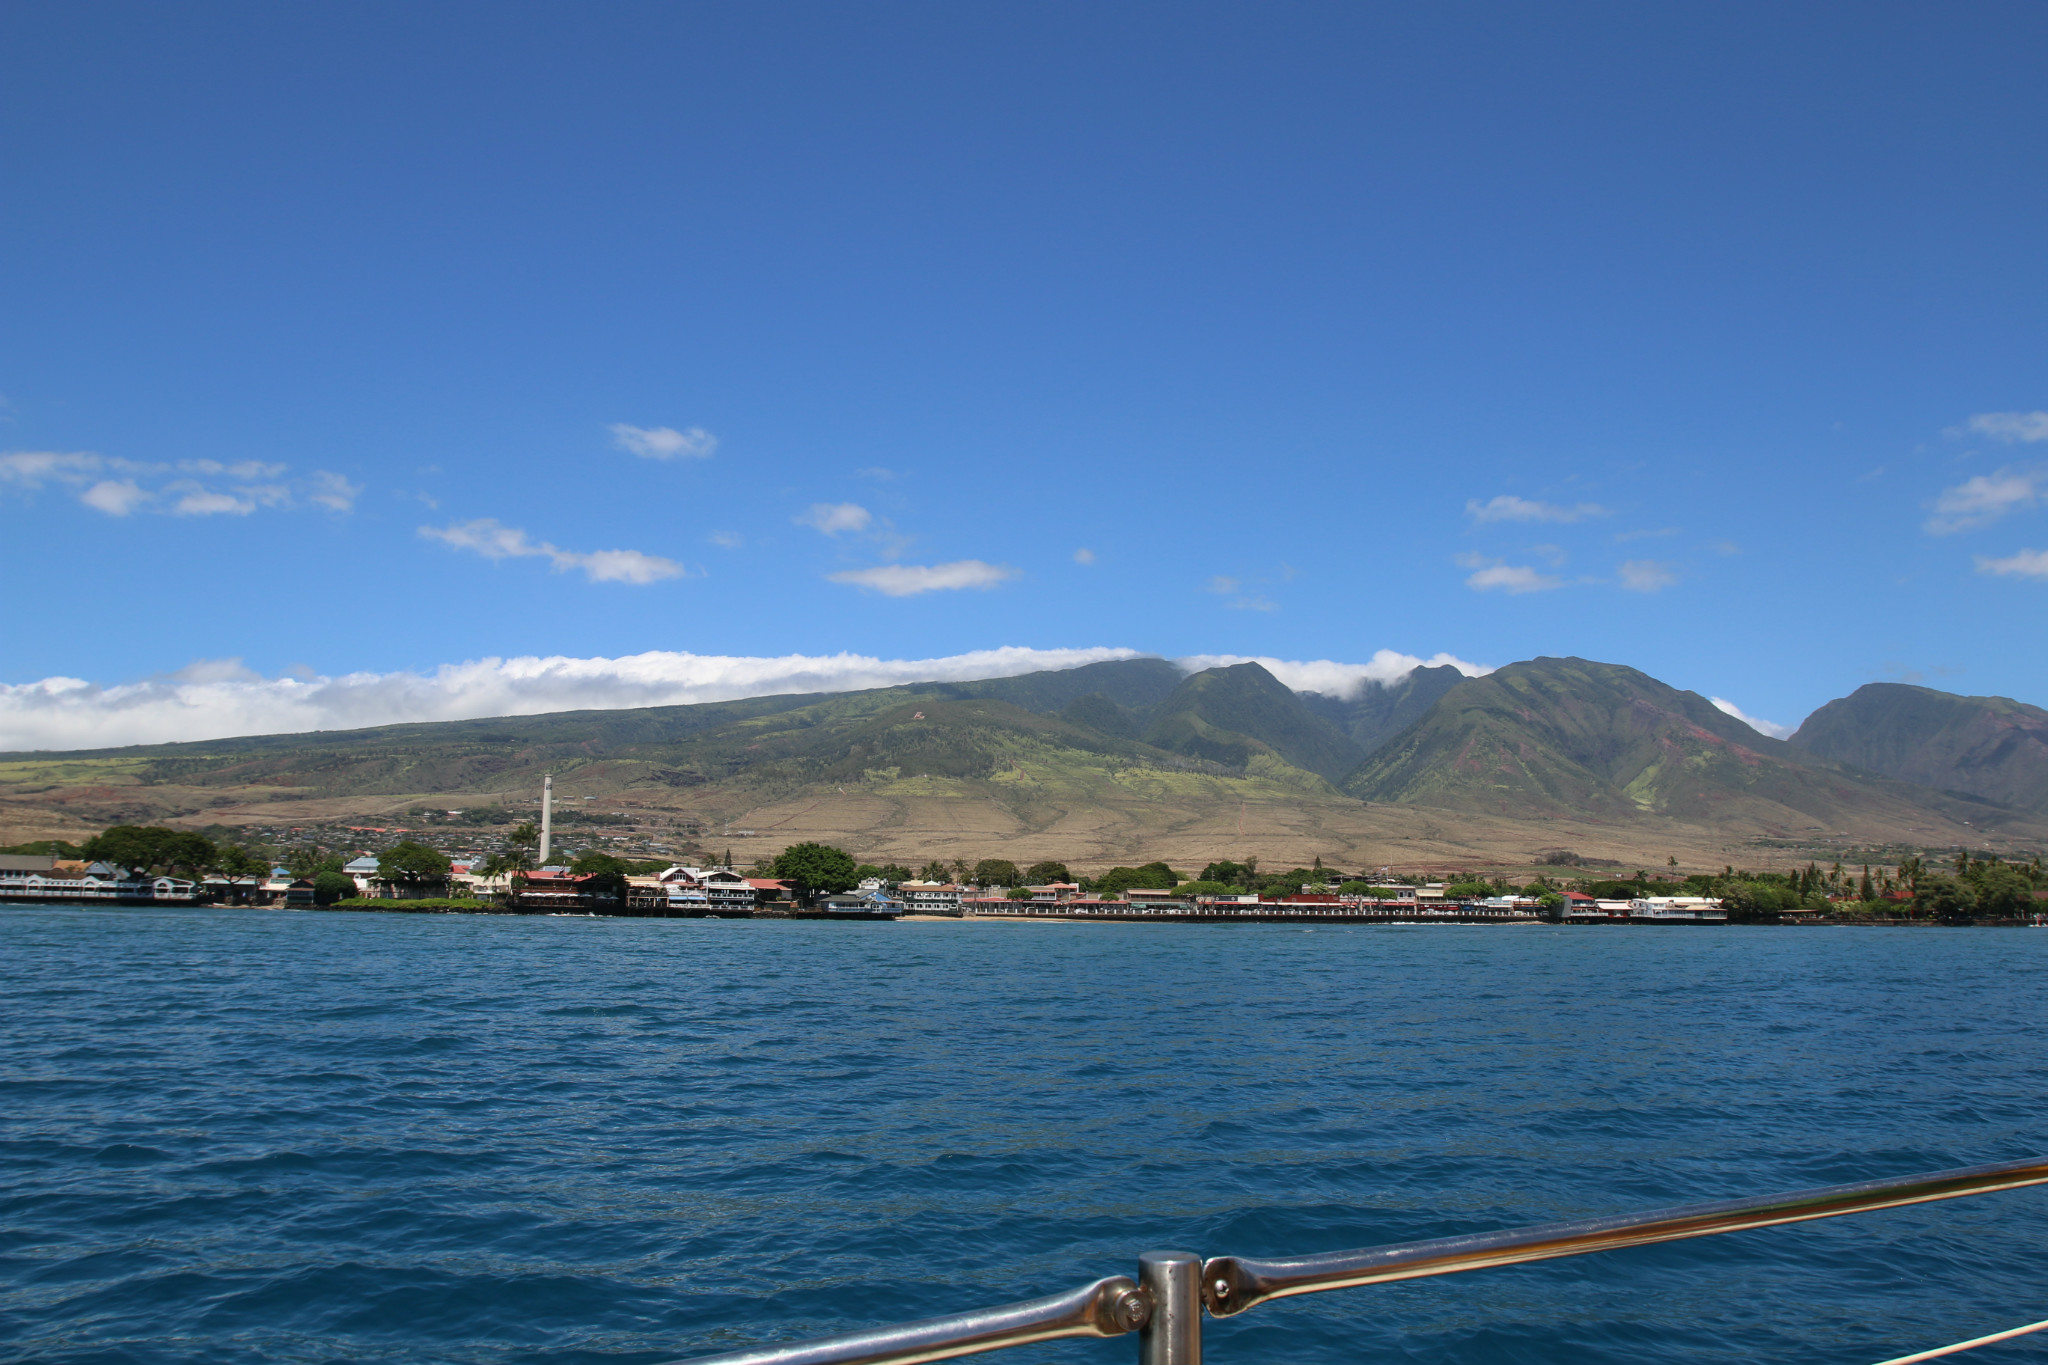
(250, 1137)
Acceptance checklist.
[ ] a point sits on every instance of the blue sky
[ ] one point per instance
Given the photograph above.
(387, 339)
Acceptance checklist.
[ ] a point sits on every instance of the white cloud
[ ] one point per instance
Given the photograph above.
(116, 486)
(2011, 426)
(907, 580)
(1512, 578)
(620, 566)
(244, 470)
(1984, 499)
(221, 698)
(834, 517)
(1084, 556)
(1646, 575)
(1762, 727)
(1346, 681)
(2025, 564)
(332, 491)
(1221, 585)
(202, 502)
(727, 540)
(1507, 507)
(487, 537)
(35, 468)
(1488, 574)
(664, 443)
(115, 497)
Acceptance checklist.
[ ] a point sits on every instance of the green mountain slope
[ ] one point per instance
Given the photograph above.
(1134, 684)
(1991, 747)
(1377, 713)
(1569, 736)
(769, 741)
(1228, 715)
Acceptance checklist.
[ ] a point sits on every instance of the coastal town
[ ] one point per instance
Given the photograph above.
(524, 870)
(727, 893)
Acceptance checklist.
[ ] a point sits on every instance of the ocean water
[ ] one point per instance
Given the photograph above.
(258, 1136)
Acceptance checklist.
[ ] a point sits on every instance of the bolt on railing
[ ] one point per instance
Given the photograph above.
(1165, 1303)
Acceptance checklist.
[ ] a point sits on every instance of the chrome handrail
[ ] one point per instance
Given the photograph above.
(1231, 1284)
(1107, 1308)
(1162, 1305)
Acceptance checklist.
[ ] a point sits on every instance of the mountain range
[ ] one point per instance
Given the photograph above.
(1993, 748)
(1117, 759)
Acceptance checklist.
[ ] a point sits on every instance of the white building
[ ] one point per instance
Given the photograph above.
(930, 898)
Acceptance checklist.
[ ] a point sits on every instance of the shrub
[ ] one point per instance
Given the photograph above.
(329, 887)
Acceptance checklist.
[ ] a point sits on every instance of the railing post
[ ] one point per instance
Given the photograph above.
(1173, 1334)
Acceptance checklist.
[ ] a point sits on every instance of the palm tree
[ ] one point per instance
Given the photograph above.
(513, 864)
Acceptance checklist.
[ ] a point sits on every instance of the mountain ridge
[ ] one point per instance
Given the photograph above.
(1992, 748)
(1124, 757)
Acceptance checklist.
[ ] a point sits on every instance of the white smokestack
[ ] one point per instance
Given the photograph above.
(547, 817)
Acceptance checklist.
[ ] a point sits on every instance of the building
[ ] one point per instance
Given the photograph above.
(364, 870)
(30, 877)
(930, 898)
(1677, 910)
(771, 894)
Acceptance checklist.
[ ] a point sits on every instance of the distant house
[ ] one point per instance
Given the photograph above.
(555, 888)
(770, 891)
(1055, 891)
(930, 898)
(364, 870)
(728, 890)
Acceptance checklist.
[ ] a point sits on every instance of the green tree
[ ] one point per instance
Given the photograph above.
(152, 847)
(1354, 888)
(1017, 893)
(1472, 890)
(1944, 897)
(935, 871)
(1235, 874)
(1046, 873)
(305, 862)
(815, 867)
(412, 862)
(45, 848)
(1203, 888)
(239, 865)
(1150, 877)
(606, 875)
(331, 886)
(1750, 900)
(896, 873)
(995, 872)
(2001, 890)
(512, 864)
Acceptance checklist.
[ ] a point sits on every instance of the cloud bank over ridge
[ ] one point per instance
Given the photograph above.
(218, 699)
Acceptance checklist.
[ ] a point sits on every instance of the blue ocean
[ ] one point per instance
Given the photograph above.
(259, 1136)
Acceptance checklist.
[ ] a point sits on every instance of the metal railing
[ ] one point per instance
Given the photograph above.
(1164, 1304)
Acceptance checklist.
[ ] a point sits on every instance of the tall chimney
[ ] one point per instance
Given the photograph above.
(547, 817)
